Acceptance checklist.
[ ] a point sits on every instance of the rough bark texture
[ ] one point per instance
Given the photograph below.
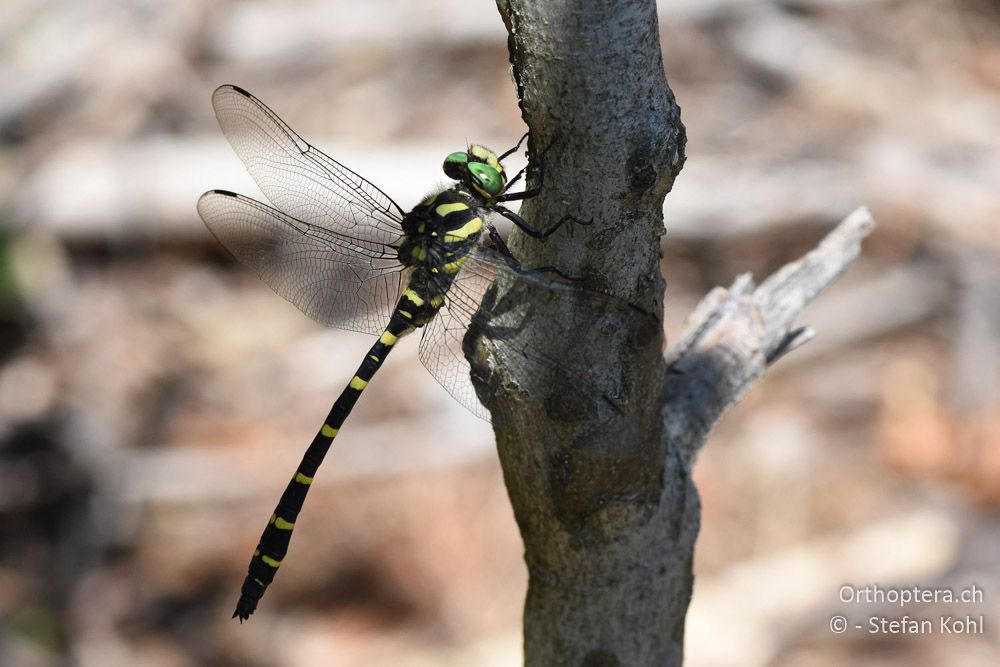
(603, 496)
(600, 504)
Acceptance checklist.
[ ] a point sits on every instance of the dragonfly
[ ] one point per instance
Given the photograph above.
(348, 256)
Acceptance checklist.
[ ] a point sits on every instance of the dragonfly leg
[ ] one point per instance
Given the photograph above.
(513, 263)
(514, 149)
(514, 180)
(532, 192)
(523, 225)
(528, 194)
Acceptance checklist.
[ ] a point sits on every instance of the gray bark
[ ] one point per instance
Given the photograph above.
(603, 497)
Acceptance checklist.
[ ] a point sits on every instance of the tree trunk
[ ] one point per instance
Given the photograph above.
(603, 497)
(607, 514)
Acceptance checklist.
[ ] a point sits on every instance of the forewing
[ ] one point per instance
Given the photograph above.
(300, 180)
(336, 280)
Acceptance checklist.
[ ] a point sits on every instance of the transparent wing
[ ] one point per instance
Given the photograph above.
(441, 344)
(485, 311)
(337, 280)
(300, 180)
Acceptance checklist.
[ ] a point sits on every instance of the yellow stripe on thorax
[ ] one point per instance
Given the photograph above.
(464, 232)
(445, 209)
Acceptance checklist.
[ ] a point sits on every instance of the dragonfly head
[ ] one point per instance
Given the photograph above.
(479, 168)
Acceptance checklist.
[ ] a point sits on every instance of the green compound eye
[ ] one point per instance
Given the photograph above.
(454, 165)
(487, 177)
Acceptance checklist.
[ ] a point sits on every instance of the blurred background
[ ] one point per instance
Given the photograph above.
(155, 396)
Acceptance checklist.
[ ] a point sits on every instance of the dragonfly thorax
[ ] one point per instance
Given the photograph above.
(438, 235)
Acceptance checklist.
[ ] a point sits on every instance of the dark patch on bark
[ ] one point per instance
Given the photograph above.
(646, 331)
(641, 173)
(600, 658)
(582, 483)
(569, 399)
